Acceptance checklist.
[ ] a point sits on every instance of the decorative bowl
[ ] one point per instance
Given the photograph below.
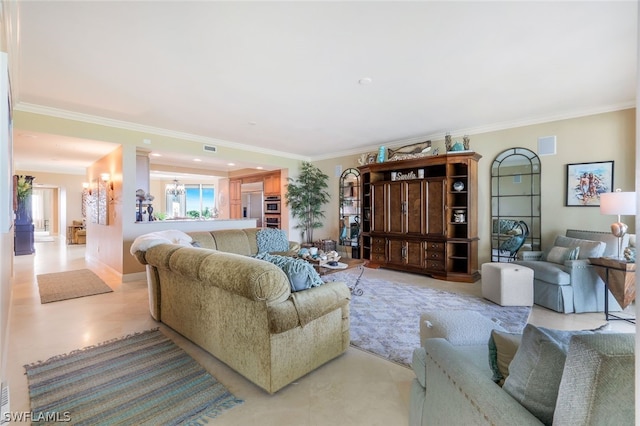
(458, 186)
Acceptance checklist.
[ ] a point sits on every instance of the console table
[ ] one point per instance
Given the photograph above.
(619, 276)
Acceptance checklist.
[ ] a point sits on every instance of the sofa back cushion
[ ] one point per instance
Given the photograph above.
(203, 239)
(232, 241)
(608, 238)
(588, 248)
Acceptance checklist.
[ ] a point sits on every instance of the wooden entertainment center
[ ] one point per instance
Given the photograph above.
(421, 215)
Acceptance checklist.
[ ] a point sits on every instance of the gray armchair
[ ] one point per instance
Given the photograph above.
(563, 278)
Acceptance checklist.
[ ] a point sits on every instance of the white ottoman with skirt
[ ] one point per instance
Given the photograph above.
(507, 284)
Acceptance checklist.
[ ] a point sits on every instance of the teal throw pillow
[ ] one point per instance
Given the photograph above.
(301, 273)
(271, 240)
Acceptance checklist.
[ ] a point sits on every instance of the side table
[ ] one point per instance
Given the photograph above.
(619, 276)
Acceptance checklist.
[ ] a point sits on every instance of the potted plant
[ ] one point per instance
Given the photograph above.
(305, 196)
(24, 186)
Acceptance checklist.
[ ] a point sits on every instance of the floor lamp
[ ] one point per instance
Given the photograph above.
(618, 203)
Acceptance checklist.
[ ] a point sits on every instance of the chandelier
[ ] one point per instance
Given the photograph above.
(176, 189)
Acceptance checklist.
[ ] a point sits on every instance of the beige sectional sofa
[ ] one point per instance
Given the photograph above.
(241, 309)
(588, 381)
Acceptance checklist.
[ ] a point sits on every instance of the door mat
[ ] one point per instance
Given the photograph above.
(70, 285)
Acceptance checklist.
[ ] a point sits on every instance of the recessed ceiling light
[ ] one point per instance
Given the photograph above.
(365, 80)
(259, 167)
(197, 159)
(155, 154)
(231, 164)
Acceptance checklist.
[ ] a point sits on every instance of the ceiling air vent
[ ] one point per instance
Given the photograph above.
(209, 148)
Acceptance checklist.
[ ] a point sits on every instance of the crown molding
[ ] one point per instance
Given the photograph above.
(125, 125)
(483, 129)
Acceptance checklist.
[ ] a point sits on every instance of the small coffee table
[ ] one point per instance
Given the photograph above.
(351, 263)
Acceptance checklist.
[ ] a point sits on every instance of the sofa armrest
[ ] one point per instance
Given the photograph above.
(457, 327)
(588, 287)
(458, 389)
(307, 305)
(530, 255)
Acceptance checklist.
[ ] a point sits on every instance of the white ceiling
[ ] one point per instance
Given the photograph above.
(284, 76)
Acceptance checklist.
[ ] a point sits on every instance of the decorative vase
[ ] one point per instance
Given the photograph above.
(458, 186)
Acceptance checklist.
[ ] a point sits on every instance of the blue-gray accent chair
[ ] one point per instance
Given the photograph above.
(574, 285)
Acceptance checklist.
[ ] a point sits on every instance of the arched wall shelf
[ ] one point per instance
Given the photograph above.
(350, 212)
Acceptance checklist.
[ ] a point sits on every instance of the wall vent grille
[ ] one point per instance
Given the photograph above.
(210, 148)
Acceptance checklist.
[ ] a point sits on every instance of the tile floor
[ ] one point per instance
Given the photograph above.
(355, 389)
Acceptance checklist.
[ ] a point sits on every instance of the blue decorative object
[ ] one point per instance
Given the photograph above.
(513, 244)
(301, 273)
(382, 154)
(272, 240)
(457, 146)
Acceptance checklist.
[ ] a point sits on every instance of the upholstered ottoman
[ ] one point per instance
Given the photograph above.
(507, 284)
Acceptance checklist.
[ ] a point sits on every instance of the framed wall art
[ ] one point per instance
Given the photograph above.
(586, 181)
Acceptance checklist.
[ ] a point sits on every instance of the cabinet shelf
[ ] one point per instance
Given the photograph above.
(409, 224)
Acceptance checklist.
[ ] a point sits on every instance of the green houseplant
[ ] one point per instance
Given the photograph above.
(305, 196)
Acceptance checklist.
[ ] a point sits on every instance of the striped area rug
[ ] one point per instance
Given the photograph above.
(141, 379)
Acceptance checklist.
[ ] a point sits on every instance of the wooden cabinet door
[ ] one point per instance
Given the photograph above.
(414, 253)
(378, 207)
(435, 197)
(396, 207)
(405, 253)
(272, 184)
(414, 207)
(235, 199)
(396, 251)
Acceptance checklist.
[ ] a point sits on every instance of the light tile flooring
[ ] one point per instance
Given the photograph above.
(355, 389)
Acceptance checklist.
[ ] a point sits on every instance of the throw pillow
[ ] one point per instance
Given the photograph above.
(272, 240)
(301, 273)
(562, 254)
(536, 369)
(588, 248)
(502, 348)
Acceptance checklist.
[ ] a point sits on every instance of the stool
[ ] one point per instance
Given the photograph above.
(507, 284)
(81, 236)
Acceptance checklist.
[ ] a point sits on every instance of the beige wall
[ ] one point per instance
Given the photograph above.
(601, 137)
(69, 196)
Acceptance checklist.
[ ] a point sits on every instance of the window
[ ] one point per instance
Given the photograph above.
(197, 201)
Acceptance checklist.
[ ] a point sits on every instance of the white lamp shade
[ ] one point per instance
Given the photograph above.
(618, 203)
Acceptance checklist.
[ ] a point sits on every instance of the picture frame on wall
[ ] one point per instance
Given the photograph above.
(586, 181)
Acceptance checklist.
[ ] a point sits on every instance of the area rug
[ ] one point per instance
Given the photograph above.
(70, 285)
(141, 379)
(385, 319)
